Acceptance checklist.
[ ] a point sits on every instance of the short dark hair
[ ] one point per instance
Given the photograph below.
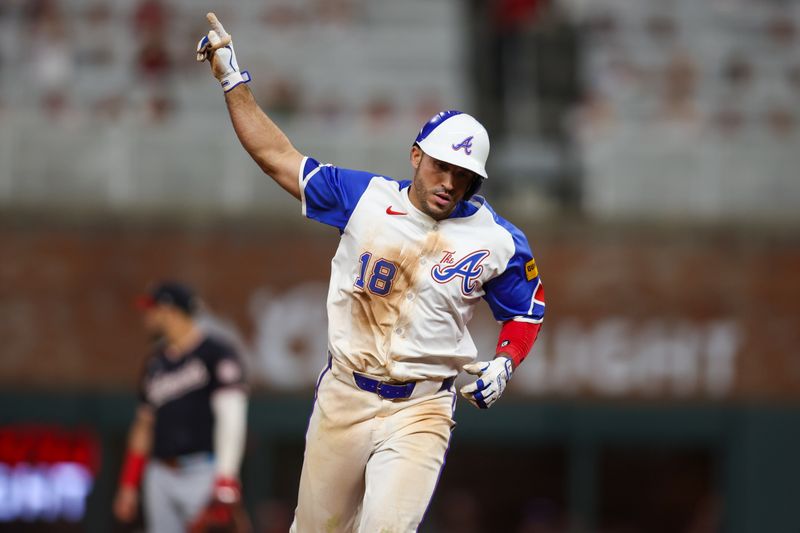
(170, 293)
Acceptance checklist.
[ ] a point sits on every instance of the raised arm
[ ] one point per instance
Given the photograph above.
(264, 141)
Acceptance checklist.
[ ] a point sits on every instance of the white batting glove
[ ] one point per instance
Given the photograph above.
(217, 48)
(493, 377)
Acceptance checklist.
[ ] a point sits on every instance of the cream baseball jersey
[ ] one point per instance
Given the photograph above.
(404, 286)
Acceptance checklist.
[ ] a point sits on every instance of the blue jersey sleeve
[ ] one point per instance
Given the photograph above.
(329, 194)
(517, 293)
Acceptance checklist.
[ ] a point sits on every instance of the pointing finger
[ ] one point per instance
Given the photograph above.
(218, 36)
(216, 25)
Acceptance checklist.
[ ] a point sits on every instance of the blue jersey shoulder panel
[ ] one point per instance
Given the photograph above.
(331, 194)
(516, 292)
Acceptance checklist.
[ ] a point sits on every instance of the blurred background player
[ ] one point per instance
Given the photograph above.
(187, 439)
(414, 259)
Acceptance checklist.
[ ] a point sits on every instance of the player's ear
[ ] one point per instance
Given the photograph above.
(416, 156)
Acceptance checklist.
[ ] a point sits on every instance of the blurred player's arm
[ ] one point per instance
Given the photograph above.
(230, 430)
(264, 141)
(225, 511)
(140, 443)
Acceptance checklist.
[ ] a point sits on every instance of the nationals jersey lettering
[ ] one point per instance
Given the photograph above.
(403, 288)
(166, 386)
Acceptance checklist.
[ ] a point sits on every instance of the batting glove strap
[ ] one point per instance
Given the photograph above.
(493, 376)
(234, 79)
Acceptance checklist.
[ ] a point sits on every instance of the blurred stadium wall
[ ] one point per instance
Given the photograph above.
(647, 148)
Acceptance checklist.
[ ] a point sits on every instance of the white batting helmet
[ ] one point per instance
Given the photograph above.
(456, 138)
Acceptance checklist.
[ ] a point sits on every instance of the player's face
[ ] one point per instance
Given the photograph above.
(155, 320)
(438, 186)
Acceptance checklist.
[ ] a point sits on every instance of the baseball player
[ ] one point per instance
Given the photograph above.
(414, 259)
(190, 422)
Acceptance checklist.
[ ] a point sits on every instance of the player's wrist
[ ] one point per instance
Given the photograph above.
(504, 364)
(227, 489)
(510, 357)
(234, 79)
(132, 470)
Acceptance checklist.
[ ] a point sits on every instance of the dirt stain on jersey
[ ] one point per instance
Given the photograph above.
(333, 523)
(377, 319)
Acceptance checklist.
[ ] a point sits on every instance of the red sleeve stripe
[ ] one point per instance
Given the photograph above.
(538, 294)
(537, 299)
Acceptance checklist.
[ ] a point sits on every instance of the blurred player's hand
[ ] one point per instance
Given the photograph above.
(126, 503)
(217, 48)
(492, 379)
(224, 512)
(227, 490)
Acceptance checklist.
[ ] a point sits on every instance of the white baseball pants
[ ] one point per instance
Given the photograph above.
(371, 464)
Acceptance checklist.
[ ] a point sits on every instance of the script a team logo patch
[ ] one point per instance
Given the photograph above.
(531, 270)
(468, 269)
(466, 144)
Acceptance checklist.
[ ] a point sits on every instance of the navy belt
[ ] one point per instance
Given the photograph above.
(393, 391)
(184, 461)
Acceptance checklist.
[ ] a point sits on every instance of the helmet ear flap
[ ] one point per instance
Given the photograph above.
(474, 187)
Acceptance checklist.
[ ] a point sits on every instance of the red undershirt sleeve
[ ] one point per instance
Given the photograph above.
(516, 339)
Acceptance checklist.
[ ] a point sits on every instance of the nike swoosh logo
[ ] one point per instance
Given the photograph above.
(390, 211)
